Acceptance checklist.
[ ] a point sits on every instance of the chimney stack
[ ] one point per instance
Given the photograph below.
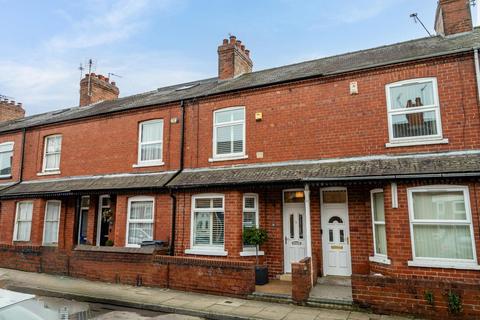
(95, 88)
(9, 110)
(452, 17)
(233, 59)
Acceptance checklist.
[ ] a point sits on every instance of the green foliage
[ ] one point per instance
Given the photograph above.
(429, 297)
(454, 302)
(109, 243)
(254, 236)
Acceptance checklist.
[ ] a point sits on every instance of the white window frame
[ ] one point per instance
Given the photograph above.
(148, 163)
(100, 217)
(250, 250)
(442, 262)
(45, 143)
(45, 222)
(438, 138)
(377, 257)
(152, 221)
(208, 250)
(15, 231)
(233, 155)
(6, 144)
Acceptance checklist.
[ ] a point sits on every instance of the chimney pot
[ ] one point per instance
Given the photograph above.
(95, 88)
(233, 59)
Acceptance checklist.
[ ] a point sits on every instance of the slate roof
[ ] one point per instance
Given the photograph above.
(385, 55)
(72, 185)
(383, 167)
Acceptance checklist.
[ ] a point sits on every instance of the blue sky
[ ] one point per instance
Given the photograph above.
(153, 43)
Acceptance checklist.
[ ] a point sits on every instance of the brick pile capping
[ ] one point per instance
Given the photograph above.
(301, 280)
(163, 259)
(24, 248)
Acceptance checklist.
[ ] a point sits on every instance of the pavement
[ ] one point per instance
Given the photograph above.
(171, 301)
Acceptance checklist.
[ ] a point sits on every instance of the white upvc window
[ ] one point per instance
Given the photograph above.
(441, 227)
(6, 154)
(229, 133)
(140, 220)
(23, 221)
(51, 223)
(378, 223)
(52, 152)
(414, 112)
(150, 143)
(250, 215)
(208, 223)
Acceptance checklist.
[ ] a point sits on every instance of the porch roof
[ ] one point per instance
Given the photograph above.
(78, 185)
(451, 164)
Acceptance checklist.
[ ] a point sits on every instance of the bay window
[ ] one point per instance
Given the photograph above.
(229, 133)
(140, 217)
(250, 215)
(441, 227)
(52, 220)
(208, 224)
(23, 221)
(378, 224)
(414, 111)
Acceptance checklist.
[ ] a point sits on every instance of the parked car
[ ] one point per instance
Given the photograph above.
(15, 305)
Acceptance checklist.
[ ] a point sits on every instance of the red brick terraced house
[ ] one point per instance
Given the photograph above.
(363, 168)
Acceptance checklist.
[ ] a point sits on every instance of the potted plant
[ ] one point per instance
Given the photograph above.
(256, 237)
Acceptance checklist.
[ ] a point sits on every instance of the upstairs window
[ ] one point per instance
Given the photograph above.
(229, 133)
(250, 214)
(23, 221)
(413, 110)
(6, 154)
(150, 145)
(53, 150)
(208, 221)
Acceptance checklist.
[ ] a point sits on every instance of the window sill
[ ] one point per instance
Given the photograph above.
(48, 173)
(207, 252)
(218, 159)
(250, 253)
(443, 265)
(415, 143)
(378, 259)
(151, 164)
(50, 245)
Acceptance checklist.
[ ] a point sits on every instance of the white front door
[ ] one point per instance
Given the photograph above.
(294, 231)
(335, 232)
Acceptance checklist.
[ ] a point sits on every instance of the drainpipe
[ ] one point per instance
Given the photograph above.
(308, 229)
(174, 198)
(477, 71)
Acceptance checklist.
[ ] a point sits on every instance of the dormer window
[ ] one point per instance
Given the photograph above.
(414, 112)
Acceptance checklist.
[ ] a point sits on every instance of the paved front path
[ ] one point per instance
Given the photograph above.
(170, 301)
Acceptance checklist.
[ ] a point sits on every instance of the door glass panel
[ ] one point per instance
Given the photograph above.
(300, 226)
(342, 235)
(334, 196)
(330, 235)
(335, 219)
(294, 197)
(292, 231)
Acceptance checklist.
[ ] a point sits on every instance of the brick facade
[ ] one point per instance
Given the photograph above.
(306, 119)
(9, 110)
